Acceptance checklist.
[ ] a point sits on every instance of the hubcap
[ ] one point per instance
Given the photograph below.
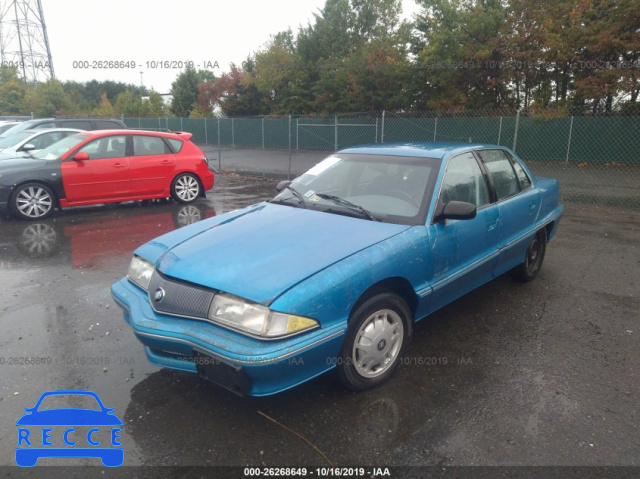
(34, 202)
(187, 188)
(378, 343)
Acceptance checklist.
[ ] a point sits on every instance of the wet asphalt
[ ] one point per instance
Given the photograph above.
(542, 373)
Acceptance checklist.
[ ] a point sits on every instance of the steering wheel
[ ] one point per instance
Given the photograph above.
(402, 196)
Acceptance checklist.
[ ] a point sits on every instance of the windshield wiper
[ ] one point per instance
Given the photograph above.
(348, 204)
(297, 194)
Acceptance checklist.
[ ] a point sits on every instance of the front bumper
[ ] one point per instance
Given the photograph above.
(244, 365)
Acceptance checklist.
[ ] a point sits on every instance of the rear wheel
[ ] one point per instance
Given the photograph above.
(379, 331)
(32, 201)
(186, 188)
(532, 264)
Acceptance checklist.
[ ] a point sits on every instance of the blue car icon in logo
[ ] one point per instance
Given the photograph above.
(69, 432)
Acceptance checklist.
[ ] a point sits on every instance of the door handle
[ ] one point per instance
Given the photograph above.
(118, 165)
(166, 162)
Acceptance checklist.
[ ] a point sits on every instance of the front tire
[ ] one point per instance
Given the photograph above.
(378, 334)
(186, 188)
(534, 256)
(33, 201)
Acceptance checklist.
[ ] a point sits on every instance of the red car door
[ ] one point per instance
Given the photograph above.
(104, 176)
(152, 165)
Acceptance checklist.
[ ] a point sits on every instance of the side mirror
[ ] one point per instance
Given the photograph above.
(82, 156)
(28, 147)
(282, 185)
(457, 210)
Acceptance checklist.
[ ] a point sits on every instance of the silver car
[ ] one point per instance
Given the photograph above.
(25, 143)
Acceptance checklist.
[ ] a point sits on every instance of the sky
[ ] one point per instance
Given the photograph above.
(156, 38)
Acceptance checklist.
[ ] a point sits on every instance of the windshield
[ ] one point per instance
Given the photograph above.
(59, 148)
(13, 140)
(389, 188)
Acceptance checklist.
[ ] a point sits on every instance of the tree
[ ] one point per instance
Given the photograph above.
(129, 104)
(280, 76)
(12, 92)
(47, 99)
(105, 109)
(155, 106)
(185, 92)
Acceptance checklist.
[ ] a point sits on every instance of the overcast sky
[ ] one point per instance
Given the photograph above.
(146, 31)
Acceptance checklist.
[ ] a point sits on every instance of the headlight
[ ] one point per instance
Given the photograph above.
(255, 318)
(140, 272)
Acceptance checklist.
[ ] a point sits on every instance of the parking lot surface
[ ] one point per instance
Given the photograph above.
(542, 373)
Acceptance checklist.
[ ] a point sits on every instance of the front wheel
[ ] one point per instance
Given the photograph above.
(534, 256)
(32, 201)
(185, 188)
(379, 331)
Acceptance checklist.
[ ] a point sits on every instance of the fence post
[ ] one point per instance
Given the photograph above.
(515, 134)
(435, 129)
(335, 134)
(263, 133)
(159, 124)
(297, 133)
(500, 131)
(289, 172)
(376, 130)
(181, 125)
(566, 160)
(139, 123)
(206, 138)
(233, 135)
(219, 149)
(382, 131)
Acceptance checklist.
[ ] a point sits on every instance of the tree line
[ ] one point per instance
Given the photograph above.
(361, 56)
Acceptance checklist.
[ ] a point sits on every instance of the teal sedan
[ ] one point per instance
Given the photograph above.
(334, 271)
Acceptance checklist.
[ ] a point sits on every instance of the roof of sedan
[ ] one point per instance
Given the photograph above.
(420, 149)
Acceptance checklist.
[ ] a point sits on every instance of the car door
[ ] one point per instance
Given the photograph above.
(104, 176)
(518, 204)
(152, 165)
(463, 252)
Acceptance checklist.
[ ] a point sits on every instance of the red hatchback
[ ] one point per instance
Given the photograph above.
(105, 166)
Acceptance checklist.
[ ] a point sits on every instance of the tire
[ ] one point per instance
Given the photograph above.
(33, 201)
(186, 188)
(378, 334)
(533, 258)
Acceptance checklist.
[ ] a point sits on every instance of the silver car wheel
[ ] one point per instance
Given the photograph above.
(34, 202)
(186, 188)
(378, 343)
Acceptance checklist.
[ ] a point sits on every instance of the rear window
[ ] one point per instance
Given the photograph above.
(175, 144)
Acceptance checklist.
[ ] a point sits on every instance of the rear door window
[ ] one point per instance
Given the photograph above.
(149, 145)
(501, 173)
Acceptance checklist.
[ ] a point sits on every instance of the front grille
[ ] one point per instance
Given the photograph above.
(179, 299)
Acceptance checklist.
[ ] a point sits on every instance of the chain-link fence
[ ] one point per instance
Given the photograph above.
(596, 157)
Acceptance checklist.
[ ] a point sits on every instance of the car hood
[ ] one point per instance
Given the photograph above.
(260, 252)
(12, 163)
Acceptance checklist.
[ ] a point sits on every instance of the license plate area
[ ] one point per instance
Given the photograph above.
(229, 376)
